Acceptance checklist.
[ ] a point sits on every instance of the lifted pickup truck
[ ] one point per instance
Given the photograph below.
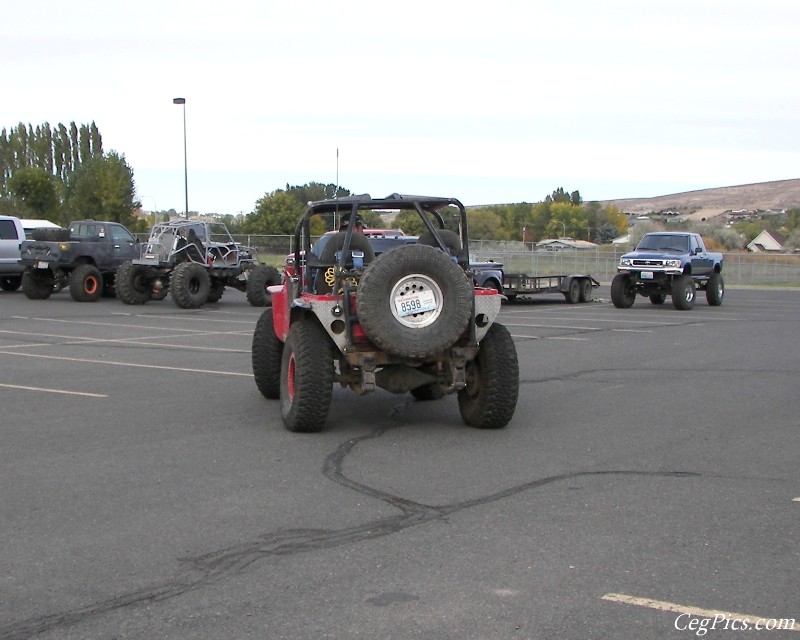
(84, 257)
(669, 264)
(492, 275)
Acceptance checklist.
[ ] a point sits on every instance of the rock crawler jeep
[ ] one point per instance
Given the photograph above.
(194, 261)
(408, 320)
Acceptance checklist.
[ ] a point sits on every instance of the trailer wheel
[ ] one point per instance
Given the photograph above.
(37, 284)
(715, 289)
(587, 291)
(623, 293)
(190, 285)
(683, 292)
(85, 283)
(306, 376)
(573, 292)
(267, 352)
(490, 397)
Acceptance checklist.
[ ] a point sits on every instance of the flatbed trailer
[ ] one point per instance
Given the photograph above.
(574, 287)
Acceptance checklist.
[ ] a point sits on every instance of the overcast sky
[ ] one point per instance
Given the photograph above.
(489, 102)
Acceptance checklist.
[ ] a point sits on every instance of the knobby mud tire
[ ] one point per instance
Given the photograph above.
(259, 279)
(132, 284)
(401, 271)
(623, 294)
(490, 397)
(267, 352)
(190, 285)
(37, 284)
(306, 377)
(86, 283)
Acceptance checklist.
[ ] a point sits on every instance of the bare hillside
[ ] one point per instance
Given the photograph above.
(706, 203)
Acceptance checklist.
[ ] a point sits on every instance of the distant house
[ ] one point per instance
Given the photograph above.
(767, 241)
(565, 244)
(622, 239)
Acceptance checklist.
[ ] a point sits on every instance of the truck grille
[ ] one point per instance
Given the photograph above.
(648, 263)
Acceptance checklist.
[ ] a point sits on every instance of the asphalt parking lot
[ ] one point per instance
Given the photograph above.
(648, 483)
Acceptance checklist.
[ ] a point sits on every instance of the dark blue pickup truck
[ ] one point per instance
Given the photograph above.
(672, 264)
(84, 257)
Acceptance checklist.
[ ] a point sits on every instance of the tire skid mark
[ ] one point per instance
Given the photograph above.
(200, 571)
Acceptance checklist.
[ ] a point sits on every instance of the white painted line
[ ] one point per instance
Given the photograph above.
(791, 624)
(62, 391)
(795, 499)
(127, 364)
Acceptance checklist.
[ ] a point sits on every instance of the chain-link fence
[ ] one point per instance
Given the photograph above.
(518, 257)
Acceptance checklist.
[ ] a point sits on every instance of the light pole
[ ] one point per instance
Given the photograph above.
(565, 229)
(185, 164)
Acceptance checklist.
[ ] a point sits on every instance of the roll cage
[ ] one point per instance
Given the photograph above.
(429, 210)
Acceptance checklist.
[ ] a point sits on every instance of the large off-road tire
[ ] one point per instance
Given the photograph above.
(86, 283)
(490, 397)
(216, 288)
(623, 293)
(37, 284)
(587, 290)
(401, 273)
(683, 292)
(450, 239)
(573, 292)
(259, 279)
(189, 285)
(306, 376)
(266, 355)
(132, 283)
(10, 283)
(657, 298)
(715, 289)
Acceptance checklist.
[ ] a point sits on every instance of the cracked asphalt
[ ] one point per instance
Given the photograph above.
(149, 491)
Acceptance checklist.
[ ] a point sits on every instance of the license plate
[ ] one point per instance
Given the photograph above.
(646, 275)
(42, 265)
(418, 302)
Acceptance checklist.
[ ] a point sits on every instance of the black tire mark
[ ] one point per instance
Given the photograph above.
(215, 566)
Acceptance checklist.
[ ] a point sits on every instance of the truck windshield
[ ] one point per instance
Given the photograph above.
(664, 243)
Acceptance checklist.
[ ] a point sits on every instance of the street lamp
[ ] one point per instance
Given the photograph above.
(185, 164)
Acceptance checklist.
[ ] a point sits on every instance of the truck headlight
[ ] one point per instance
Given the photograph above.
(625, 262)
(672, 263)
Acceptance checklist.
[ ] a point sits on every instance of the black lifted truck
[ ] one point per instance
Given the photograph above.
(194, 261)
(669, 264)
(407, 320)
(84, 257)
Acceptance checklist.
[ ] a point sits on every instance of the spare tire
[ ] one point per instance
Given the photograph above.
(414, 301)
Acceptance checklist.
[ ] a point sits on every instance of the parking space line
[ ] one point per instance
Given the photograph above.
(662, 605)
(145, 340)
(61, 391)
(127, 364)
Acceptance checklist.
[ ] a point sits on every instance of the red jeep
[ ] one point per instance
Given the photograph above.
(408, 320)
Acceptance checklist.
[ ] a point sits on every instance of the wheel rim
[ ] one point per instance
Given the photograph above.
(290, 374)
(414, 285)
(688, 293)
(91, 285)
